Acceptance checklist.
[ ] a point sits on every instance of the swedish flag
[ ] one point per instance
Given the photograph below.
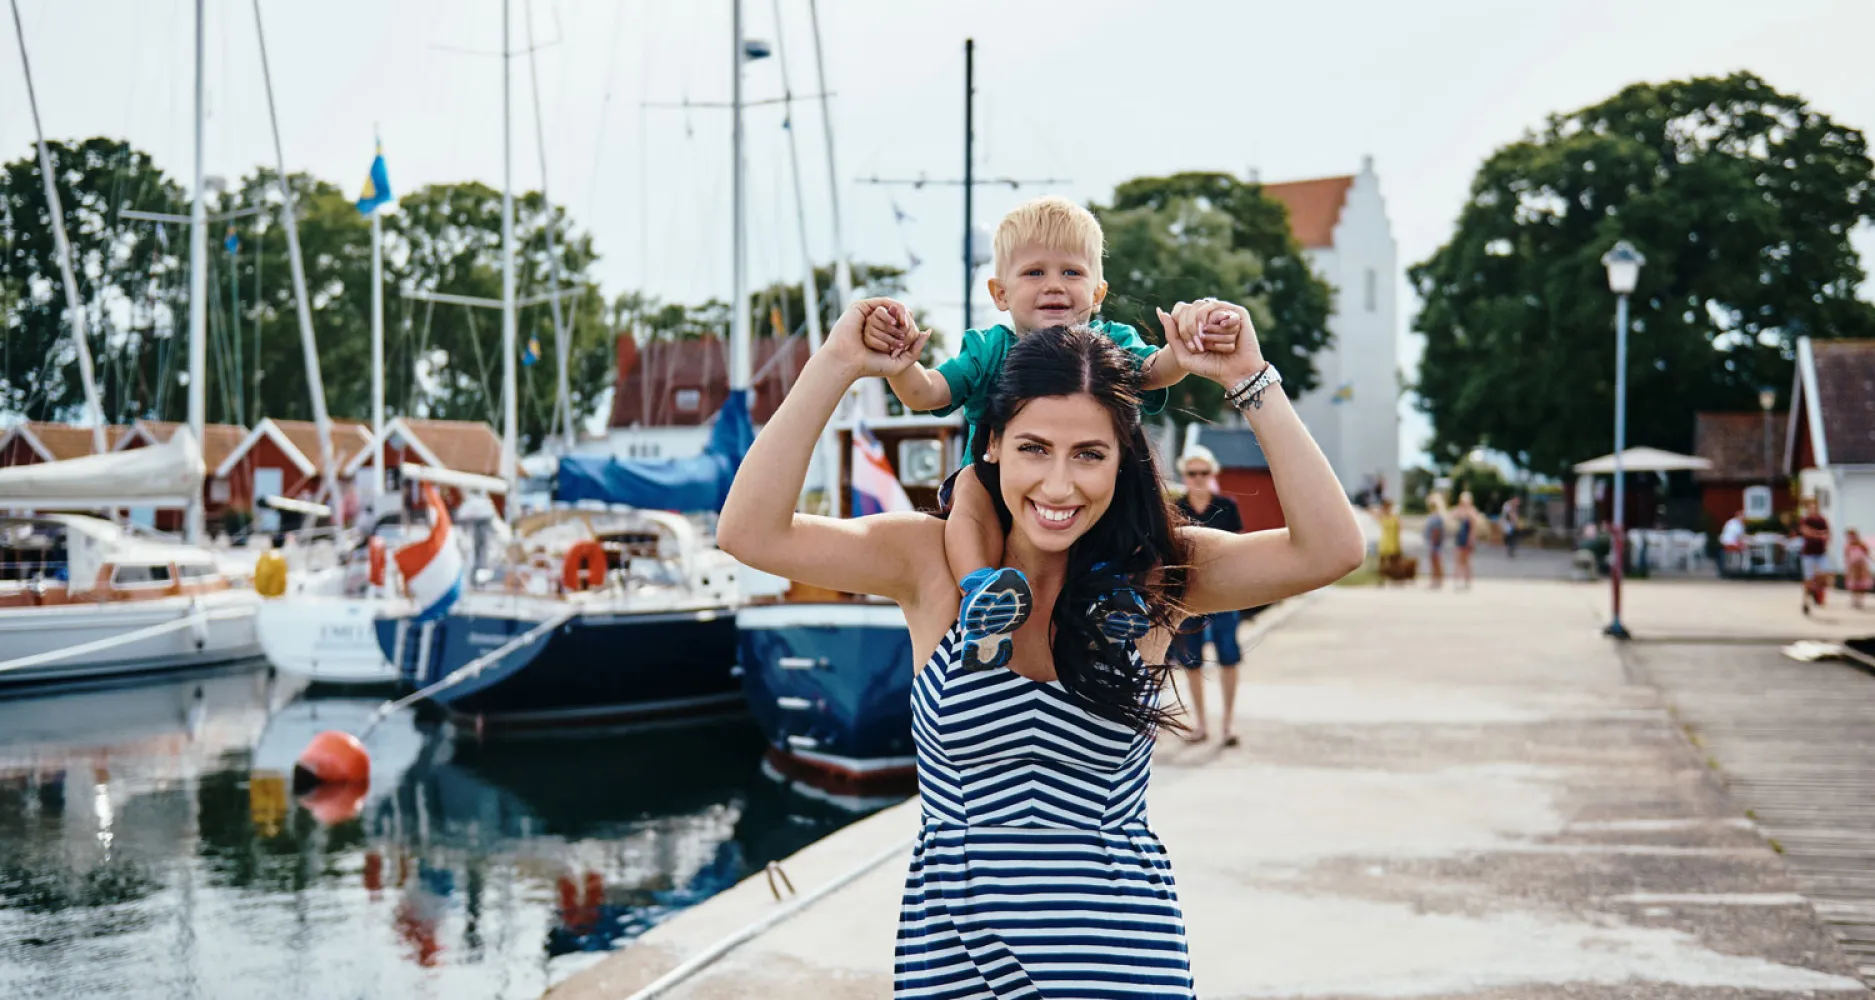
(377, 191)
(1344, 394)
(530, 353)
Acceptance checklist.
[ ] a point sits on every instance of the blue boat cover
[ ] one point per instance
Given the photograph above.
(678, 484)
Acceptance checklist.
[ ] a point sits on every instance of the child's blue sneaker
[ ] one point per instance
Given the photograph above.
(1121, 614)
(996, 603)
(1120, 610)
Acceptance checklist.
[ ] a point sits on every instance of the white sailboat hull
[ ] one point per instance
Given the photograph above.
(328, 640)
(225, 634)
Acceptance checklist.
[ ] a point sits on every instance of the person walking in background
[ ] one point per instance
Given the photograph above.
(1858, 572)
(1464, 530)
(1511, 517)
(1813, 528)
(1203, 505)
(1389, 550)
(1435, 538)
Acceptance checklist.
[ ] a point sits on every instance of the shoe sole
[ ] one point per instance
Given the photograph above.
(998, 608)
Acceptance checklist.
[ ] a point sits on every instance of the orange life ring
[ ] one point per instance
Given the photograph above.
(585, 559)
(374, 552)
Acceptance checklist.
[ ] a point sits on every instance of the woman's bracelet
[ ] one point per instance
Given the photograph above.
(1250, 391)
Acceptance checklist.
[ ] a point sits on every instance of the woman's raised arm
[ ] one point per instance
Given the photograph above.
(1321, 542)
(880, 554)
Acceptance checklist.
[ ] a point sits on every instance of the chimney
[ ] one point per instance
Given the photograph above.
(1367, 164)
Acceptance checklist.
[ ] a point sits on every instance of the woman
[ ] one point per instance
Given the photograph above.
(1435, 538)
(1202, 504)
(1044, 762)
(1464, 530)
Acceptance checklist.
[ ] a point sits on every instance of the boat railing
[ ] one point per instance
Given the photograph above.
(35, 571)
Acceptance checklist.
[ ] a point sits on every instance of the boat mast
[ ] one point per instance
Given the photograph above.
(739, 366)
(510, 414)
(842, 268)
(824, 445)
(198, 290)
(309, 348)
(73, 304)
(562, 334)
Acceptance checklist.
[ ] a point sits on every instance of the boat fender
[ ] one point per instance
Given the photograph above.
(374, 553)
(198, 625)
(585, 566)
(270, 573)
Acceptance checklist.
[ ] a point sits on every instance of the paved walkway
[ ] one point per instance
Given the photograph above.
(1438, 795)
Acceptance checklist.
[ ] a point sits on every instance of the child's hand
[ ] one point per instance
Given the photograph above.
(1219, 332)
(883, 331)
(1184, 328)
(848, 340)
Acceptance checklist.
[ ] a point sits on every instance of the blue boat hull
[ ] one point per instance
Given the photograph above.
(598, 668)
(830, 687)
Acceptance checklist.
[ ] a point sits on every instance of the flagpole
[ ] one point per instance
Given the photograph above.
(377, 355)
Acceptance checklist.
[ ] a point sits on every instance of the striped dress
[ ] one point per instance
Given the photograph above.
(1035, 875)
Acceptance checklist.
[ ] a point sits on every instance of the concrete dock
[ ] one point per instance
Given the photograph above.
(1460, 795)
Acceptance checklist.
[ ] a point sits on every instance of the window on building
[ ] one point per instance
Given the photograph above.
(1373, 290)
(688, 400)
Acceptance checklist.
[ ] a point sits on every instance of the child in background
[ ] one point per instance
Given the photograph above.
(1858, 573)
(1048, 273)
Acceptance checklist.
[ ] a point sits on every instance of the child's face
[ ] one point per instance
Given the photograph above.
(1042, 287)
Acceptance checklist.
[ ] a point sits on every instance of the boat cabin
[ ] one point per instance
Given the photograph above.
(70, 558)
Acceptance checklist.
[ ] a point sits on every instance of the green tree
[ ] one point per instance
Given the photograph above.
(132, 279)
(447, 238)
(1742, 200)
(1191, 235)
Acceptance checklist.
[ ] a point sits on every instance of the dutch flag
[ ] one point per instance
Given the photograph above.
(432, 568)
(876, 488)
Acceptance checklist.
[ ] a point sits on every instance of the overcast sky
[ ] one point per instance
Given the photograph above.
(1091, 92)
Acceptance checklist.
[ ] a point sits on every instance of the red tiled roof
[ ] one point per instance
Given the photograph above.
(1845, 389)
(462, 445)
(67, 441)
(218, 440)
(349, 437)
(1735, 445)
(1314, 207)
(683, 383)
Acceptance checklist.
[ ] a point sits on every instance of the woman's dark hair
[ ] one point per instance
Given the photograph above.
(1132, 542)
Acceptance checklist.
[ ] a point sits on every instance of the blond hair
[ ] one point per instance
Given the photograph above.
(1198, 453)
(1056, 223)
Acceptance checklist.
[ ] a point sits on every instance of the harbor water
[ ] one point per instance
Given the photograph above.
(151, 845)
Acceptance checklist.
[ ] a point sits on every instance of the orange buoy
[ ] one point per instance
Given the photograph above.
(585, 564)
(332, 758)
(334, 804)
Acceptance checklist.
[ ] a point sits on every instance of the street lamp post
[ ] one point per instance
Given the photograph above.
(1624, 270)
(1767, 398)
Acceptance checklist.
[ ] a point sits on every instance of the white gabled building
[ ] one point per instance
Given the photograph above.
(1353, 413)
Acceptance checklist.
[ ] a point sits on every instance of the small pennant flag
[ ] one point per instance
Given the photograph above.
(775, 323)
(1344, 394)
(531, 353)
(377, 192)
(231, 242)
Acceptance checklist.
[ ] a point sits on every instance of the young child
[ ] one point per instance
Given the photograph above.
(1048, 253)
(1858, 573)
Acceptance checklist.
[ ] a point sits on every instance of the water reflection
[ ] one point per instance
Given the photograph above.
(150, 846)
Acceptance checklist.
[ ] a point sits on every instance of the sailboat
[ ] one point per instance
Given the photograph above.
(605, 610)
(81, 596)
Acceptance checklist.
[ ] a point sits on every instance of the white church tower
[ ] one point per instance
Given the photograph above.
(1353, 412)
